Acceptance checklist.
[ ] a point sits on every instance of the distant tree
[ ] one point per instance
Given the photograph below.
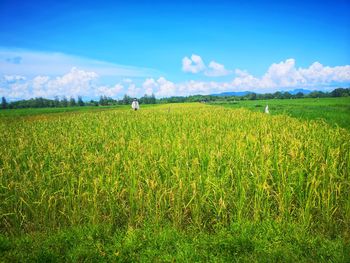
(56, 102)
(153, 99)
(252, 96)
(111, 101)
(277, 95)
(299, 95)
(175, 99)
(72, 102)
(103, 101)
(232, 98)
(127, 99)
(340, 92)
(80, 101)
(39, 102)
(92, 103)
(144, 99)
(286, 95)
(3, 103)
(316, 94)
(267, 96)
(64, 102)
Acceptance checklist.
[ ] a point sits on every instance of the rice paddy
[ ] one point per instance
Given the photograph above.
(185, 166)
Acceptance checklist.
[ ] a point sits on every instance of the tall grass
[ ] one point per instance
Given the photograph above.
(193, 165)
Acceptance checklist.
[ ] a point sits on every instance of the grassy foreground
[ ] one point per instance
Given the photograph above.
(243, 242)
(173, 182)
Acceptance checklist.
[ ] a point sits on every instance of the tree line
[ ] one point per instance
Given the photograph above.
(151, 99)
(72, 102)
(338, 92)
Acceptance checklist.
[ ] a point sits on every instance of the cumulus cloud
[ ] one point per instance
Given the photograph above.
(112, 92)
(134, 91)
(317, 73)
(18, 91)
(285, 75)
(279, 76)
(149, 85)
(244, 81)
(217, 70)
(166, 88)
(78, 82)
(160, 87)
(194, 64)
(38, 85)
(74, 83)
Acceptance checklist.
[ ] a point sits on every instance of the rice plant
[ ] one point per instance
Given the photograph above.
(193, 165)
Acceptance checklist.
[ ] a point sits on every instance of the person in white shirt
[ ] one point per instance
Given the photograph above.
(135, 105)
(267, 109)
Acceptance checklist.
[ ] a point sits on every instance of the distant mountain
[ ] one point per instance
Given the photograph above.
(304, 91)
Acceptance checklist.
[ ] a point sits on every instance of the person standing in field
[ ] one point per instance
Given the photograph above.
(267, 109)
(135, 105)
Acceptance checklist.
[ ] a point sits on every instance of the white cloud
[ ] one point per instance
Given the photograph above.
(317, 73)
(75, 83)
(78, 82)
(13, 78)
(285, 75)
(166, 88)
(134, 91)
(149, 85)
(72, 84)
(39, 88)
(112, 92)
(160, 87)
(279, 76)
(34, 63)
(18, 91)
(194, 64)
(245, 82)
(217, 70)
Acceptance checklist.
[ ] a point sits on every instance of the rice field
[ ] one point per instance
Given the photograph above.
(188, 166)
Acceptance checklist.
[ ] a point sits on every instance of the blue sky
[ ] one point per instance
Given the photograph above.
(171, 48)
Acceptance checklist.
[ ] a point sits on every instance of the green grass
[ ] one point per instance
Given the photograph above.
(335, 111)
(244, 242)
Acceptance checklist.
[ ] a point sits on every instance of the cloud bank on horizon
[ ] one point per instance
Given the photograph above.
(25, 75)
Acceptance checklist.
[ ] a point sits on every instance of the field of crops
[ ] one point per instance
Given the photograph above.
(335, 111)
(188, 166)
